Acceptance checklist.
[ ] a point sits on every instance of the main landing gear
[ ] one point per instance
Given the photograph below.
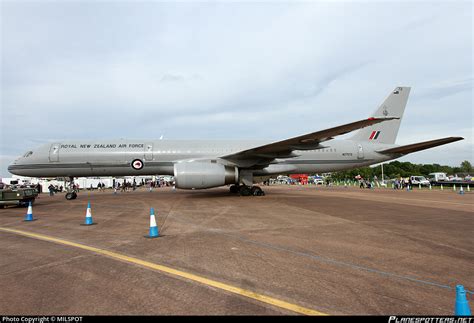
(245, 190)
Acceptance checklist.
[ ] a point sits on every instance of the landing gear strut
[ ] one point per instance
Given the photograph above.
(245, 190)
(71, 192)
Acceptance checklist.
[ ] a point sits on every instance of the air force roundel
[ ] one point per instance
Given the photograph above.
(137, 164)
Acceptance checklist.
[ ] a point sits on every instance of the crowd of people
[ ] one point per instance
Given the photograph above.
(160, 183)
(100, 187)
(125, 186)
(399, 184)
(402, 183)
(364, 183)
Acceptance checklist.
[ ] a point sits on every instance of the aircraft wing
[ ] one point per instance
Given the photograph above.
(284, 148)
(419, 146)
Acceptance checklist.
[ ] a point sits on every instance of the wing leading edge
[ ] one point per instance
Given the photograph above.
(309, 141)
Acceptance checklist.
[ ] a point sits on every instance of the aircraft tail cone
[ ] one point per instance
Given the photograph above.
(29, 213)
(153, 227)
(89, 220)
(462, 305)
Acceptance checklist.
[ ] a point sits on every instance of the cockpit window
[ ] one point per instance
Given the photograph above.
(28, 154)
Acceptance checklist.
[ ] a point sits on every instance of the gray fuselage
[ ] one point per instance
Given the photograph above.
(115, 157)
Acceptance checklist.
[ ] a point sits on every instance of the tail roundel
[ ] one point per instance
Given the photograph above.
(386, 132)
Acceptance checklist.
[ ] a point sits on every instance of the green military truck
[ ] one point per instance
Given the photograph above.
(17, 196)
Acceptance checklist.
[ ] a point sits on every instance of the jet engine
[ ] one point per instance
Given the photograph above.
(204, 174)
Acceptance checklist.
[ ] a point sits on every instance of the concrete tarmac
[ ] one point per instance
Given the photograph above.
(333, 250)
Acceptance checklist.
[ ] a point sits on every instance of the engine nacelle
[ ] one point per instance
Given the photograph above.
(204, 174)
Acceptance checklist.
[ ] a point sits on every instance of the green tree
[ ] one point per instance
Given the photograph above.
(395, 169)
(466, 167)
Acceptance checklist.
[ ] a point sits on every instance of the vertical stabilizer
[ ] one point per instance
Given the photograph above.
(386, 132)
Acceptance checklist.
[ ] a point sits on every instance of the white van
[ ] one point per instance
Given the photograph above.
(417, 180)
(436, 177)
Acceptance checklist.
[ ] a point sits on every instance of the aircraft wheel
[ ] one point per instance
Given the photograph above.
(71, 196)
(234, 188)
(256, 191)
(245, 190)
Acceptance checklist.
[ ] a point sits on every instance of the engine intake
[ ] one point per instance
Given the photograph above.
(199, 175)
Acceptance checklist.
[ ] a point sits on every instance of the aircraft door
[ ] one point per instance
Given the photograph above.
(360, 152)
(54, 153)
(149, 151)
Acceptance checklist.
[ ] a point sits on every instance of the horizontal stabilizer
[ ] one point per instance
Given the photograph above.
(419, 146)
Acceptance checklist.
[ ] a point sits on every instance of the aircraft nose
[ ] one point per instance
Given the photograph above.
(11, 168)
(15, 168)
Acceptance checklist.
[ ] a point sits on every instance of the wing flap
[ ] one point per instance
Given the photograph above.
(419, 146)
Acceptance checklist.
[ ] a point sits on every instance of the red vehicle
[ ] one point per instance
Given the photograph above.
(301, 178)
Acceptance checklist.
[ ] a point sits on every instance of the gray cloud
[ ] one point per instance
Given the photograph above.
(447, 88)
(80, 70)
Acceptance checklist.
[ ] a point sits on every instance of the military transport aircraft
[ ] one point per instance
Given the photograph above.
(212, 163)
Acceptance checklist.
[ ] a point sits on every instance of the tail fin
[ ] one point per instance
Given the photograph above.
(386, 132)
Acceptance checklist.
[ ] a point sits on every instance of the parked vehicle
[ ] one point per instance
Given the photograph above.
(436, 177)
(417, 180)
(318, 180)
(455, 178)
(19, 196)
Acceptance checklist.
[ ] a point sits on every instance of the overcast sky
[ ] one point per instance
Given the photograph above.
(272, 70)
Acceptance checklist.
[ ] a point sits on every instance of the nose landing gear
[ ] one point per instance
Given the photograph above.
(71, 193)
